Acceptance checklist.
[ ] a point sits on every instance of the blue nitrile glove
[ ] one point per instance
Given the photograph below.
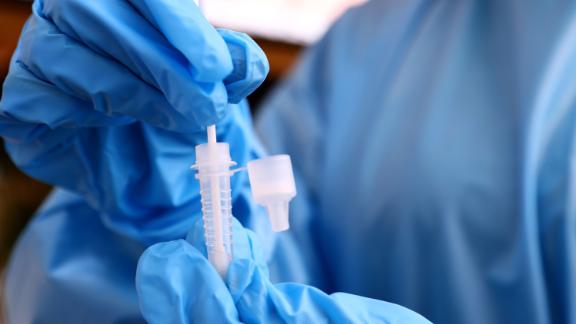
(177, 284)
(108, 99)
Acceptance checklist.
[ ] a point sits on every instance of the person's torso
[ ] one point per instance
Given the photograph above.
(426, 195)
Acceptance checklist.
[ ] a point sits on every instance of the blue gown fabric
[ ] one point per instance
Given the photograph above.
(434, 147)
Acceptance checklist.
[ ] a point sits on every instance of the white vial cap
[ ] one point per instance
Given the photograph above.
(212, 155)
(272, 183)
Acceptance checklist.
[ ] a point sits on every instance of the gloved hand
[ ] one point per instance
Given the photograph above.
(108, 99)
(177, 284)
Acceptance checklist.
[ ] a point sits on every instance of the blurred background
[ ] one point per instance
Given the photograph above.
(281, 27)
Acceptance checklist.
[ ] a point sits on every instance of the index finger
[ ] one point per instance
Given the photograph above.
(117, 30)
(186, 28)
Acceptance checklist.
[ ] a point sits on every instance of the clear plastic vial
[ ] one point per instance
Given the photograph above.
(272, 182)
(213, 165)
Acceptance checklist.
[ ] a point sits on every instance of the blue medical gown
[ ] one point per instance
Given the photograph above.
(434, 147)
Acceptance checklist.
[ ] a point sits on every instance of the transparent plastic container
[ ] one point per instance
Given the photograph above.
(272, 182)
(213, 165)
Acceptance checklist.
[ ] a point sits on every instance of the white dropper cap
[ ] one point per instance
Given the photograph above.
(272, 183)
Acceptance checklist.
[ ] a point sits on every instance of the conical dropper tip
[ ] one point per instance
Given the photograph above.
(278, 215)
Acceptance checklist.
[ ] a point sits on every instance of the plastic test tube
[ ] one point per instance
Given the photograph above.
(213, 165)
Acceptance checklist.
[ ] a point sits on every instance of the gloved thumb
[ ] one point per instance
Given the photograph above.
(251, 290)
(176, 284)
(245, 244)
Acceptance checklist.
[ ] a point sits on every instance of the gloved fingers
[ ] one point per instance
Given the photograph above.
(247, 276)
(246, 284)
(250, 65)
(257, 300)
(117, 30)
(244, 242)
(33, 108)
(184, 26)
(176, 284)
(97, 82)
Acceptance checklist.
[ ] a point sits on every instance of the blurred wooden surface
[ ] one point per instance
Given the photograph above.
(12, 18)
(280, 55)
